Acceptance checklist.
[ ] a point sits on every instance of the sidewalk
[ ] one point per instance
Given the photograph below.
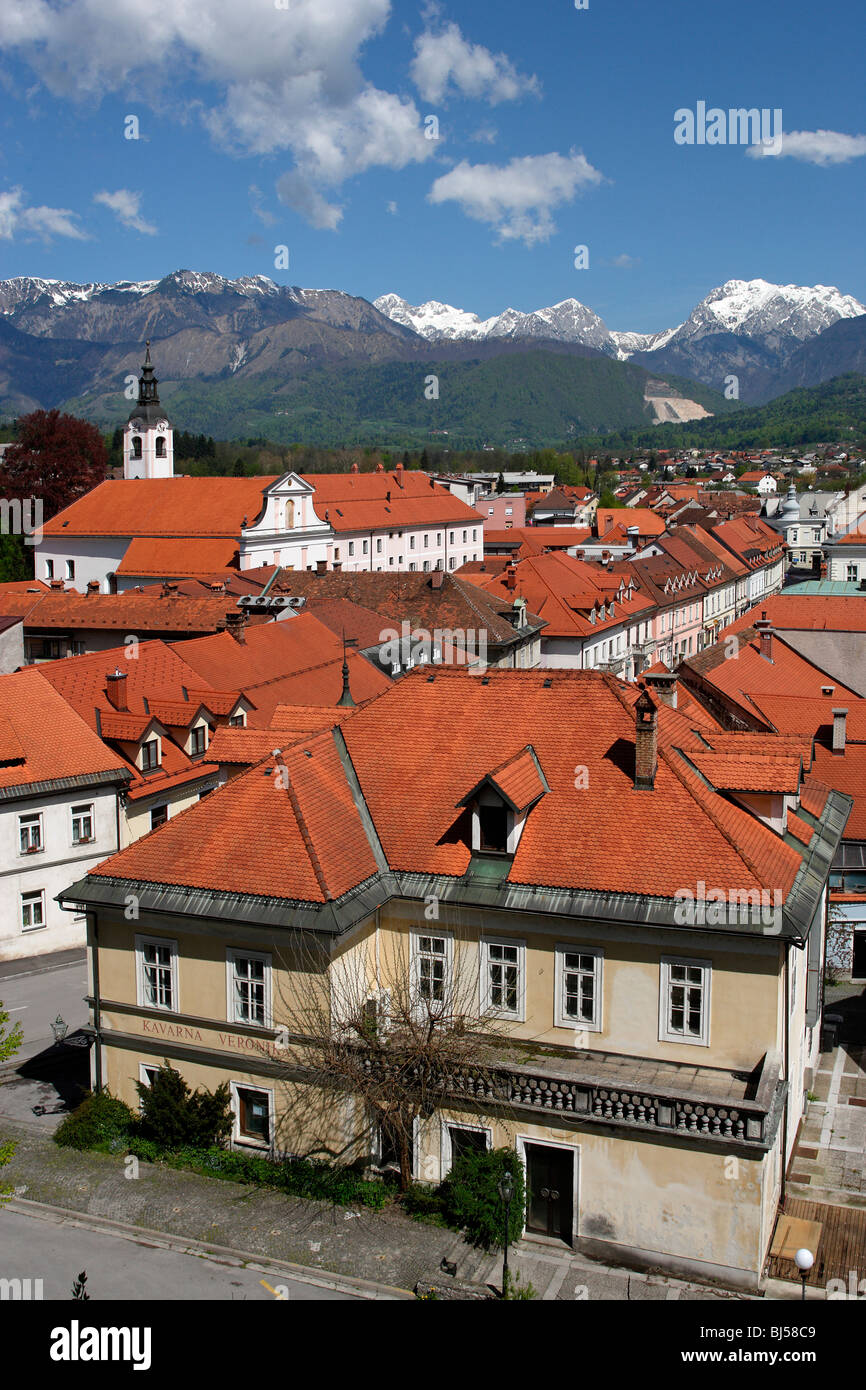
(381, 1247)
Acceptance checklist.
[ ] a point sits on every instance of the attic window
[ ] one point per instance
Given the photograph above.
(494, 827)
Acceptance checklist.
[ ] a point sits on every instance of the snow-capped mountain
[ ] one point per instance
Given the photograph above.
(757, 309)
(752, 308)
(748, 327)
(569, 321)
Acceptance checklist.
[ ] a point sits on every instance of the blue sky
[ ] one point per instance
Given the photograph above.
(302, 123)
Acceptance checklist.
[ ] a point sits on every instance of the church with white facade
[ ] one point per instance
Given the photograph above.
(154, 524)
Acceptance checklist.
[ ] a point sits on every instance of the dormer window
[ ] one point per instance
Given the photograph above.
(501, 802)
(150, 755)
(197, 740)
(493, 823)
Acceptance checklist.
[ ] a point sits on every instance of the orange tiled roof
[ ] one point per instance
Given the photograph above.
(609, 838)
(644, 518)
(42, 739)
(798, 828)
(165, 558)
(749, 675)
(298, 660)
(740, 772)
(149, 610)
(378, 501)
(809, 613)
(147, 507)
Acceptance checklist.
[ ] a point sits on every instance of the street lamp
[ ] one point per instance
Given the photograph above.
(506, 1192)
(804, 1260)
(59, 1028)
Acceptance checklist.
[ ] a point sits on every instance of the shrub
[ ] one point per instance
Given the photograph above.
(174, 1116)
(471, 1201)
(297, 1177)
(425, 1204)
(101, 1121)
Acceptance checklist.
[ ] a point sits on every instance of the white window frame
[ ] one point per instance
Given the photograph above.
(234, 954)
(27, 899)
(141, 942)
(143, 1069)
(419, 934)
(666, 1033)
(446, 1152)
(27, 822)
(519, 1015)
(192, 751)
(84, 808)
(562, 1019)
(245, 1140)
(145, 744)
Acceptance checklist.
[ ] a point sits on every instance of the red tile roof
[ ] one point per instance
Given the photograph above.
(42, 739)
(756, 773)
(414, 763)
(297, 660)
(146, 507)
(361, 502)
(166, 558)
(648, 523)
(151, 610)
(809, 613)
(747, 676)
(563, 591)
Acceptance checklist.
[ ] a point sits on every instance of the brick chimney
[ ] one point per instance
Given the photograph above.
(645, 741)
(92, 586)
(664, 685)
(437, 579)
(115, 689)
(321, 567)
(57, 585)
(336, 566)
(764, 629)
(511, 577)
(398, 475)
(235, 623)
(840, 717)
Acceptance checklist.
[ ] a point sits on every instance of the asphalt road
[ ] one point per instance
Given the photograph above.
(35, 999)
(120, 1268)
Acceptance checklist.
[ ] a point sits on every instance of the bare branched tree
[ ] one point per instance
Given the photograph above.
(383, 1035)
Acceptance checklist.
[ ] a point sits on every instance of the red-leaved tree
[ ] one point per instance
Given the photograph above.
(55, 457)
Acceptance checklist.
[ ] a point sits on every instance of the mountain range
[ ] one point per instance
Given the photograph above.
(235, 351)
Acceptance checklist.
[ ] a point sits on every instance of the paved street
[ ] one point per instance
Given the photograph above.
(56, 1252)
(35, 992)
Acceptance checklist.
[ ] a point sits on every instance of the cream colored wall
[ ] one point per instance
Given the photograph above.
(744, 989)
(135, 820)
(651, 1195)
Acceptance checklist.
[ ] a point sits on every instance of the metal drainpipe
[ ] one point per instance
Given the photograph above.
(93, 932)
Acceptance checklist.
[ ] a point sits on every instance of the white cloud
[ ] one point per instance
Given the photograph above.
(623, 261)
(813, 147)
(392, 208)
(517, 198)
(257, 198)
(446, 64)
(16, 218)
(126, 207)
(484, 135)
(283, 80)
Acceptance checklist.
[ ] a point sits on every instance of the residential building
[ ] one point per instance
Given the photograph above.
(644, 929)
(59, 787)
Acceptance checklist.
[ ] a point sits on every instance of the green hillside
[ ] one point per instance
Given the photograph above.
(833, 411)
(533, 398)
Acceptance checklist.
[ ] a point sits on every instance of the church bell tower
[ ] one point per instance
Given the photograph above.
(148, 446)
